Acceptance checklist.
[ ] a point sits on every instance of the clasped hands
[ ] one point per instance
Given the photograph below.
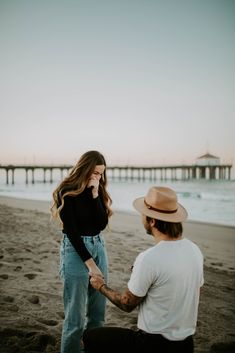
(96, 280)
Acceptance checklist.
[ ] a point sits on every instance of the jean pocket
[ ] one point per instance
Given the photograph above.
(102, 241)
(69, 248)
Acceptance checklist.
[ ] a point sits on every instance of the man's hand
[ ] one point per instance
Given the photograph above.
(125, 301)
(96, 280)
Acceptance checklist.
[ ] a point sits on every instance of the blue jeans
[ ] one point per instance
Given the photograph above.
(84, 307)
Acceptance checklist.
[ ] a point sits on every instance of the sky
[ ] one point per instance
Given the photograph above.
(145, 82)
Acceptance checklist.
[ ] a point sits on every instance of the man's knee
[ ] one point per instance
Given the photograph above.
(91, 340)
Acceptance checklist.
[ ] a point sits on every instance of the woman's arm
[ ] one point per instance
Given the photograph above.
(68, 217)
(93, 268)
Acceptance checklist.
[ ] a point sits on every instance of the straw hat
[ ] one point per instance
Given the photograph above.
(161, 203)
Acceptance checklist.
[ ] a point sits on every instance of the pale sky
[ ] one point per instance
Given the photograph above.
(144, 82)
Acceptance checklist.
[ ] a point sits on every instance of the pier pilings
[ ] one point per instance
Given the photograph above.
(123, 173)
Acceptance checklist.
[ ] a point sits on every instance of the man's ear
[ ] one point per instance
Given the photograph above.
(152, 222)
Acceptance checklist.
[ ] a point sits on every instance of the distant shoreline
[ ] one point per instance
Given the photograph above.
(217, 240)
(44, 206)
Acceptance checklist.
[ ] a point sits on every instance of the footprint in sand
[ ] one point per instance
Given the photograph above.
(217, 264)
(226, 347)
(34, 299)
(8, 299)
(30, 341)
(18, 268)
(30, 275)
(4, 276)
(48, 322)
(39, 342)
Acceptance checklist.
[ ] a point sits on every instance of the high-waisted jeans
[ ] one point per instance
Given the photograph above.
(84, 307)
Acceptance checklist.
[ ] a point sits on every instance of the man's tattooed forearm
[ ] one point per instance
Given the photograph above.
(125, 301)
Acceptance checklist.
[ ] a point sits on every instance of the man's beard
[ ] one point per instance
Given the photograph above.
(148, 229)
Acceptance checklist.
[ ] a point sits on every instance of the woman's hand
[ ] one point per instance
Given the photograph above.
(96, 281)
(94, 184)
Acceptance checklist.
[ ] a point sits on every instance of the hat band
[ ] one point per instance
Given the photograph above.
(157, 209)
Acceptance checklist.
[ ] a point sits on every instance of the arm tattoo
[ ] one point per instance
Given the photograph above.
(125, 301)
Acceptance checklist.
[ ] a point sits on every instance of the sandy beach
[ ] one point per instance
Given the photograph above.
(31, 310)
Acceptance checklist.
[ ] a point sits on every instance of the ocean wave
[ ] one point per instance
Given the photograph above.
(206, 196)
(218, 197)
(189, 194)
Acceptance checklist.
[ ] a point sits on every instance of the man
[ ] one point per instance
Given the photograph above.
(165, 283)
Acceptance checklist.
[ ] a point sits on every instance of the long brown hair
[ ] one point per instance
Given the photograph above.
(75, 183)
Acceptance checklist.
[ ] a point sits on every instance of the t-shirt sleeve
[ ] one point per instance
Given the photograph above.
(142, 277)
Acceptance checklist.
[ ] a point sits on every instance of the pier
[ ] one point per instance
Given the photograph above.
(124, 173)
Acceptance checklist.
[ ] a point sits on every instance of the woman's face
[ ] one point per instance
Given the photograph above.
(98, 171)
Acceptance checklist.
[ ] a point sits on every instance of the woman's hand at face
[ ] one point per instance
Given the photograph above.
(94, 184)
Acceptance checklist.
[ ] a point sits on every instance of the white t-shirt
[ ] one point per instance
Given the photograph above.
(170, 275)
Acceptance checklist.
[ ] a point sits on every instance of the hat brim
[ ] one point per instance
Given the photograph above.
(179, 216)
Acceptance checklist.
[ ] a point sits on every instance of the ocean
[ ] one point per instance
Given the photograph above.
(205, 200)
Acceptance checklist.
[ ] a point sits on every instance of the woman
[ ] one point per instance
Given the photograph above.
(82, 204)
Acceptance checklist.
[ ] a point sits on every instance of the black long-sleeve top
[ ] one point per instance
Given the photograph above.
(83, 215)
